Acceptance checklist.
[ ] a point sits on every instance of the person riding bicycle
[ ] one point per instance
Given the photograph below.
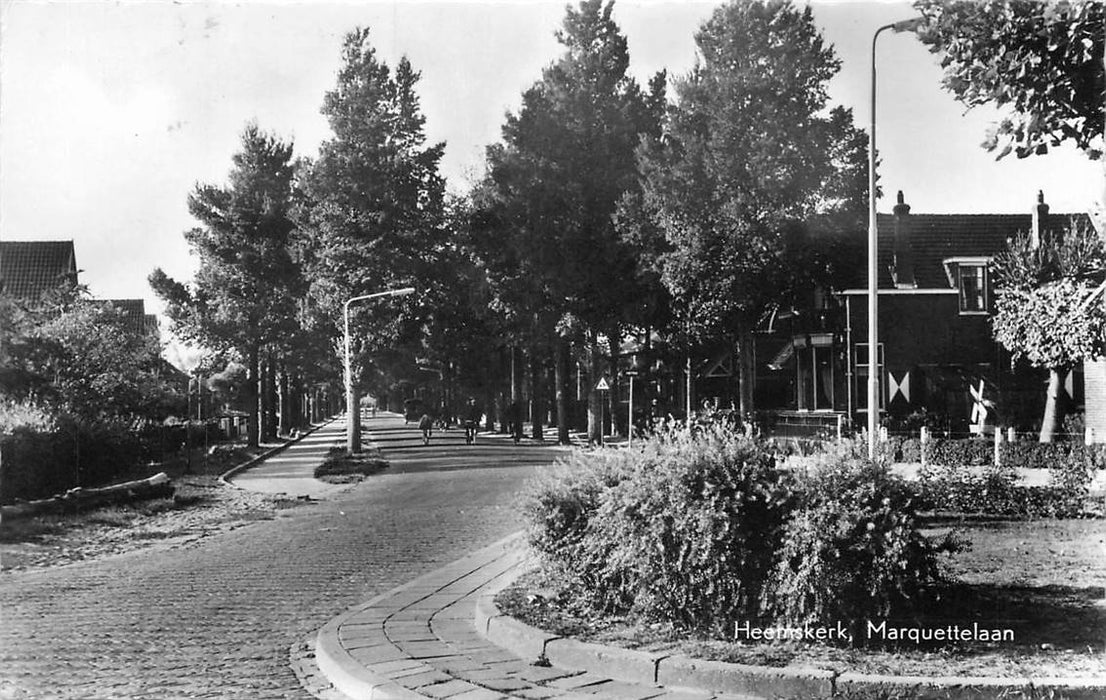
(472, 421)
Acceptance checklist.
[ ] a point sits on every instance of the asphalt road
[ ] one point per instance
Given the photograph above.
(216, 619)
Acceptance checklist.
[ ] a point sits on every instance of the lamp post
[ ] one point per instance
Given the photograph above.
(873, 250)
(353, 413)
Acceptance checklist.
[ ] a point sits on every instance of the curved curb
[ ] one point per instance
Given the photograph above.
(349, 675)
(225, 477)
(641, 667)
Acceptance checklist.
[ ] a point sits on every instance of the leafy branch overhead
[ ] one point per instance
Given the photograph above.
(1040, 62)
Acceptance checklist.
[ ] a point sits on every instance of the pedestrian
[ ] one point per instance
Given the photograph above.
(426, 425)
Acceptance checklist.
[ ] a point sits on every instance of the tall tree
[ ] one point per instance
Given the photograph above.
(566, 159)
(245, 293)
(373, 214)
(1040, 62)
(749, 160)
(1047, 310)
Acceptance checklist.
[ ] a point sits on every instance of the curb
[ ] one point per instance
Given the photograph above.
(225, 477)
(350, 676)
(771, 682)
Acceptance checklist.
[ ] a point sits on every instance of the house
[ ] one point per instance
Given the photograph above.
(135, 312)
(937, 358)
(29, 268)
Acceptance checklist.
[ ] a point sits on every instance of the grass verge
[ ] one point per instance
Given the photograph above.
(340, 467)
(1041, 579)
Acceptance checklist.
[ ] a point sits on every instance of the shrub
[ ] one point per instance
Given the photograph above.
(107, 448)
(996, 491)
(560, 503)
(956, 488)
(852, 549)
(962, 452)
(698, 527)
(683, 530)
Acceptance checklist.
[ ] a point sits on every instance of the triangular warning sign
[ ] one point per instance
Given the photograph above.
(603, 385)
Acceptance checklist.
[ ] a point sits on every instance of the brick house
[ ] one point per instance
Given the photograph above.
(937, 359)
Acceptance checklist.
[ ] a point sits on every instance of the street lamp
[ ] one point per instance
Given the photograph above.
(353, 413)
(873, 249)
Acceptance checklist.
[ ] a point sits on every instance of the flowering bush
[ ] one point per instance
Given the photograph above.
(852, 549)
(701, 529)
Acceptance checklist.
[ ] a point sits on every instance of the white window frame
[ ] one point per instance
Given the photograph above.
(979, 271)
(862, 391)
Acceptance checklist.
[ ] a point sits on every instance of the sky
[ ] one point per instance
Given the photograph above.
(111, 112)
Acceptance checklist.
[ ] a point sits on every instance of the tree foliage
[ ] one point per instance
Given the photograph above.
(1048, 309)
(1043, 311)
(558, 268)
(373, 198)
(81, 357)
(244, 298)
(749, 155)
(751, 161)
(1042, 62)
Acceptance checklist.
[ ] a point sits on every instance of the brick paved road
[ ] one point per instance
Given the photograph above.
(216, 619)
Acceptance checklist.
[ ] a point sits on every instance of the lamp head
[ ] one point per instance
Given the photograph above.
(908, 25)
(401, 292)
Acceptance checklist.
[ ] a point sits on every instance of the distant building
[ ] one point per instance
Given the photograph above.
(937, 354)
(135, 312)
(29, 268)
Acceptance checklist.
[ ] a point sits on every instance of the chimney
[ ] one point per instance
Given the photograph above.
(902, 270)
(1040, 215)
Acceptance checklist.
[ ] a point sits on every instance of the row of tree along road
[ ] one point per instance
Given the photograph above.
(662, 221)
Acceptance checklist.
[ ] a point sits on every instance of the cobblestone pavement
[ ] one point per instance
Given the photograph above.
(426, 639)
(217, 618)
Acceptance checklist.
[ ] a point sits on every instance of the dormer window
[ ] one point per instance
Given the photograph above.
(972, 284)
(968, 276)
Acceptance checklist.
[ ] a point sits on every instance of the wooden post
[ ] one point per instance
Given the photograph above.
(923, 439)
(998, 446)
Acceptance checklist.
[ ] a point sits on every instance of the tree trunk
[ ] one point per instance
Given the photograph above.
(560, 378)
(284, 402)
(537, 396)
(253, 367)
(595, 397)
(1054, 406)
(268, 399)
(746, 363)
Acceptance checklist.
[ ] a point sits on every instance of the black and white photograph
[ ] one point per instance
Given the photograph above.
(553, 349)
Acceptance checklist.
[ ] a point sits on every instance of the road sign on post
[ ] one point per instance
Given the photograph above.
(603, 385)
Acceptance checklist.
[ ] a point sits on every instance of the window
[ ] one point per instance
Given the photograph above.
(973, 288)
(814, 366)
(862, 377)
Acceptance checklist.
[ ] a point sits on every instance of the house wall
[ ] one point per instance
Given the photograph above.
(1094, 377)
(917, 329)
(938, 352)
